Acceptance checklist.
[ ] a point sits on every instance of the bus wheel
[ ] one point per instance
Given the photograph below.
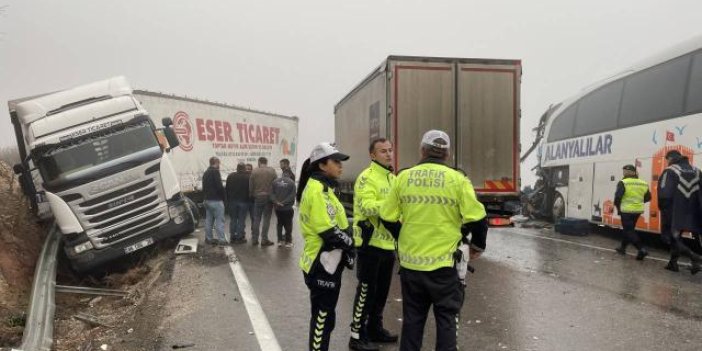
(558, 208)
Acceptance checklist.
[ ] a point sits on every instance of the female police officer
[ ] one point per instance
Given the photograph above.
(328, 244)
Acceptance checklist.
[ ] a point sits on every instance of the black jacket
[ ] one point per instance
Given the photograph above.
(238, 186)
(212, 186)
(679, 196)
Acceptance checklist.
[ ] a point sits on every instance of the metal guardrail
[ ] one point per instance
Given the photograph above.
(90, 291)
(39, 328)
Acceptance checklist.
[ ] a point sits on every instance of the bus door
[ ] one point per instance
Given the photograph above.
(580, 190)
(606, 177)
(649, 220)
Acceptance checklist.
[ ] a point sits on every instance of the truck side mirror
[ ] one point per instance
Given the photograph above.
(171, 136)
(18, 168)
(24, 179)
(167, 122)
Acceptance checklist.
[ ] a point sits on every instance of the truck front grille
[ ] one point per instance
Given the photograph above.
(136, 227)
(122, 212)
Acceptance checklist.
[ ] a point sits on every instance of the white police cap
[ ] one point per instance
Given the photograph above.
(436, 138)
(325, 149)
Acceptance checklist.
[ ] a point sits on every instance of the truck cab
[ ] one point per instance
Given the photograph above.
(104, 169)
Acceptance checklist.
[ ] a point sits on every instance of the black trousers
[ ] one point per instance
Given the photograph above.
(323, 307)
(630, 235)
(439, 289)
(677, 244)
(284, 220)
(374, 268)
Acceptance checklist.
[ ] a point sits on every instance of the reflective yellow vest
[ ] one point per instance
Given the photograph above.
(433, 201)
(320, 211)
(634, 191)
(370, 190)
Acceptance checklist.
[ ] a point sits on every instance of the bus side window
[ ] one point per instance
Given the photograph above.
(694, 94)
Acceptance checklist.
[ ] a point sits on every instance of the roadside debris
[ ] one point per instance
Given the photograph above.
(186, 246)
(91, 320)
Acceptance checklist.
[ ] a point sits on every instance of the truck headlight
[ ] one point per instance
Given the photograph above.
(83, 247)
(175, 211)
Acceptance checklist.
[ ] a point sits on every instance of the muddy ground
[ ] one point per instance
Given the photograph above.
(21, 238)
(121, 323)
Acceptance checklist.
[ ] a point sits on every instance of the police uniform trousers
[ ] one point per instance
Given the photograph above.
(323, 299)
(675, 240)
(629, 226)
(422, 290)
(374, 269)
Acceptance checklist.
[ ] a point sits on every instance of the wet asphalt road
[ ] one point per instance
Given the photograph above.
(533, 290)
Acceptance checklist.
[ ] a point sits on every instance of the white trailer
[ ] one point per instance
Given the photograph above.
(475, 101)
(231, 133)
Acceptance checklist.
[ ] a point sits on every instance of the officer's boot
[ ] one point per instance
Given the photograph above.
(673, 264)
(696, 264)
(362, 345)
(377, 333)
(642, 253)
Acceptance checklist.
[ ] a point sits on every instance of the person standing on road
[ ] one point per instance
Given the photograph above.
(260, 185)
(680, 203)
(285, 168)
(376, 250)
(249, 170)
(438, 209)
(328, 243)
(214, 193)
(283, 199)
(629, 200)
(238, 197)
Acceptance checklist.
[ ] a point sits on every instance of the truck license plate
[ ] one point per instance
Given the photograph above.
(140, 245)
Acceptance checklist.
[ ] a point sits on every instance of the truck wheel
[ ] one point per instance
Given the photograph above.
(194, 211)
(558, 208)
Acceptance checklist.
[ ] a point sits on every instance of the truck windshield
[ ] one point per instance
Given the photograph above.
(112, 147)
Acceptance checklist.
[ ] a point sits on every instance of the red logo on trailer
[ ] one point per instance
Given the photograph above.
(184, 130)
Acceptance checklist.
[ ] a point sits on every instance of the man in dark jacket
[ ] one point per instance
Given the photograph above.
(238, 197)
(679, 203)
(214, 193)
(283, 198)
(632, 193)
(285, 168)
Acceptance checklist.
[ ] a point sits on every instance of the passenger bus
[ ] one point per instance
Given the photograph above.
(635, 117)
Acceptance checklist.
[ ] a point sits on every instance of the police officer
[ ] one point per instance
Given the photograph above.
(376, 250)
(679, 200)
(438, 209)
(328, 242)
(629, 200)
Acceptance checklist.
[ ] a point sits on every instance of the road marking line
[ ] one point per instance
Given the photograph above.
(589, 246)
(262, 328)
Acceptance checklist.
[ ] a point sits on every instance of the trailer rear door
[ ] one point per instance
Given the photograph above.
(488, 125)
(423, 98)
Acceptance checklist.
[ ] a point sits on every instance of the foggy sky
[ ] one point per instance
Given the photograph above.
(301, 57)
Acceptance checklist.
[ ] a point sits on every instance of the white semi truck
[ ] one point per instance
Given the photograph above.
(95, 158)
(476, 101)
